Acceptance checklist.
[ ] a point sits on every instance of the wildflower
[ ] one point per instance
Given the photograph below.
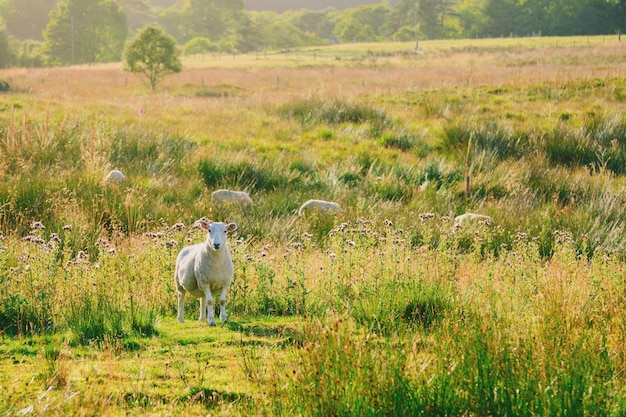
(170, 243)
(342, 227)
(34, 239)
(563, 237)
(426, 216)
(102, 242)
(37, 226)
(178, 226)
(67, 227)
(307, 236)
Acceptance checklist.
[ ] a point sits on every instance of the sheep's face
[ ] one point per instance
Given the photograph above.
(216, 233)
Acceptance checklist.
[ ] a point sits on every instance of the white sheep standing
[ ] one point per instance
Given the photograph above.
(115, 176)
(230, 196)
(205, 270)
(319, 205)
(472, 218)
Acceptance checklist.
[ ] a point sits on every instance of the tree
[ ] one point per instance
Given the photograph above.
(282, 34)
(213, 19)
(501, 18)
(472, 18)
(247, 35)
(375, 16)
(84, 31)
(361, 24)
(581, 17)
(152, 53)
(533, 16)
(138, 13)
(199, 45)
(26, 19)
(432, 14)
(350, 29)
(315, 22)
(7, 57)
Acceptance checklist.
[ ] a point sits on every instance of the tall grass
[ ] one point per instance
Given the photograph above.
(387, 308)
(310, 112)
(516, 339)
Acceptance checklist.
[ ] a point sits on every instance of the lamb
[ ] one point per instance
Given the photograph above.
(204, 270)
(472, 218)
(115, 176)
(229, 196)
(319, 205)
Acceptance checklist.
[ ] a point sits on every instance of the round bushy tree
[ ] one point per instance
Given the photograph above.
(153, 54)
(84, 31)
(199, 45)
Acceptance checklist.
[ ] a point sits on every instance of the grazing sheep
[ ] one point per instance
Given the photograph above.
(319, 205)
(205, 270)
(115, 176)
(229, 196)
(472, 218)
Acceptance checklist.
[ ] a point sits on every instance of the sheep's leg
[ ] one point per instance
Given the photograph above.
(181, 307)
(202, 308)
(209, 307)
(223, 315)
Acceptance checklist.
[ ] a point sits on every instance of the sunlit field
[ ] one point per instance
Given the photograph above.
(383, 308)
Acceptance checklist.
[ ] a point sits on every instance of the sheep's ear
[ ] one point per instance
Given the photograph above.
(231, 227)
(204, 223)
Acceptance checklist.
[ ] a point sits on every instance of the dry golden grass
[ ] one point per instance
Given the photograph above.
(368, 69)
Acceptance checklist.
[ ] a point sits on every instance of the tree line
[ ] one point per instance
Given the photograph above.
(65, 32)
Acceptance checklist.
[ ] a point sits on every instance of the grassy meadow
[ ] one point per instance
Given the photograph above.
(381, 309)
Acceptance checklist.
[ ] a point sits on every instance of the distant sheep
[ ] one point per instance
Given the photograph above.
(472, 218)
(318, 205)
(115, 176)
(229, 196)
(205, 270)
